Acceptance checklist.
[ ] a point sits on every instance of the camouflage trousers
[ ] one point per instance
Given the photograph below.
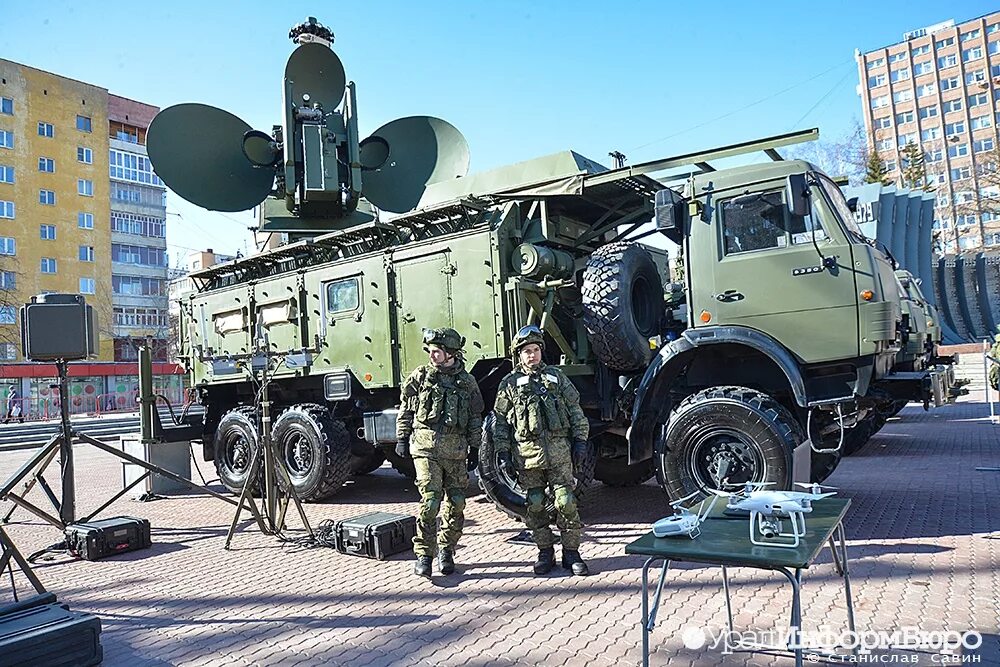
(560, 478)
(440, 481)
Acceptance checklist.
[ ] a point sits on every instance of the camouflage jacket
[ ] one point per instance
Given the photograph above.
(539, 410)
(441, 412)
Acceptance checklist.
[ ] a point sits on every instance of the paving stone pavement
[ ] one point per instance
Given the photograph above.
(923, 535)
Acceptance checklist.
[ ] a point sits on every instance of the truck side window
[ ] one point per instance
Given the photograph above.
(754, 222)
(342, 296)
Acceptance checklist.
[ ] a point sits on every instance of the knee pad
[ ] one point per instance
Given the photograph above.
(457, 499)
(431, 503)
(536, 496)
(565, 500)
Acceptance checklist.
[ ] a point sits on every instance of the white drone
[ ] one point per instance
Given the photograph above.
(768, 508)
(684, 522)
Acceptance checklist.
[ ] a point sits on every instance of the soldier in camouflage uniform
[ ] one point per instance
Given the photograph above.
(440, 424)
(538, 416)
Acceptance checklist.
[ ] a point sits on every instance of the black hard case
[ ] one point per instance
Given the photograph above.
(107, 537)
(50, 635)
(376, 535)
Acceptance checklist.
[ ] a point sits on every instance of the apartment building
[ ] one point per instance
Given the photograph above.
(939, 88)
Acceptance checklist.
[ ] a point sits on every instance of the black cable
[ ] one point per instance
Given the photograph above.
(13, 587)
(324, 535)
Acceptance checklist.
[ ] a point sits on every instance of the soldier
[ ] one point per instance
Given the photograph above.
(440, 423)
(539, 408)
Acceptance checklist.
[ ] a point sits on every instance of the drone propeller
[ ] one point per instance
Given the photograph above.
(681, 501)
(198, 151)
(814, 485)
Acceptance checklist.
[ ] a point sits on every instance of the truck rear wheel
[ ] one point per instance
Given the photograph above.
(503, 489)
(622, 305)
(733, 434)
(366, 460)
(314, 448)
(236, 441)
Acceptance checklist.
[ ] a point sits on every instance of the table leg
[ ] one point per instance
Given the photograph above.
(796, 625)
(847, 581)
(836, 556)
(649, 615)
(729, 604)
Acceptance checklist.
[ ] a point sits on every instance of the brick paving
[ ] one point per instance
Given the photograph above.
(923, 535)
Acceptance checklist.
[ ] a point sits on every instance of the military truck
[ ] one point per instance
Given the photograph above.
(785, 329)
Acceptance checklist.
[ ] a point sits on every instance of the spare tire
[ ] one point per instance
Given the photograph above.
(315, 450)
(622, 305)
(236, 443)
(503, 489)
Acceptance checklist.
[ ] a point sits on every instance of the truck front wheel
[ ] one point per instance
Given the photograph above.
(721, 437)
(314, 448)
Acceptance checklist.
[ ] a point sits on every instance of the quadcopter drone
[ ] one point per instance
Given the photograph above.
(767, 509)
(684, 522)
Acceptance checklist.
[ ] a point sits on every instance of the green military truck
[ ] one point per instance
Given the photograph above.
(785, 328)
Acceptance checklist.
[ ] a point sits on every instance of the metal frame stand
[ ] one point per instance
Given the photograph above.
(62, 443)
(275, 502)
(795, 625)
(9, 551)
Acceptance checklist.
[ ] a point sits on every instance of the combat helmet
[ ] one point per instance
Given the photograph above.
(525, 336)
(445, 338)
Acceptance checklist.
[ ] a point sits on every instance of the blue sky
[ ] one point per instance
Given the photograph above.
(519, 79)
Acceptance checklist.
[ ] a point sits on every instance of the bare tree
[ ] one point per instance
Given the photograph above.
(844, 156)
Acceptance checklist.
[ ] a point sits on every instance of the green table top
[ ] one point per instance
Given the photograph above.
(726, 540)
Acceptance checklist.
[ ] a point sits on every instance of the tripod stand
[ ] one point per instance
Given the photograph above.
(62, 443)
(275, 503)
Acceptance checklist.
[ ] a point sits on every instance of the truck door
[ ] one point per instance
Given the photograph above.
(423, 300)
(767, 274)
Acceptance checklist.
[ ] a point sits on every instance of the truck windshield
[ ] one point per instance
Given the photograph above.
(836, 199)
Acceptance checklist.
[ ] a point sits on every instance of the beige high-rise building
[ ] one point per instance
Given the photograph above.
(939, 88)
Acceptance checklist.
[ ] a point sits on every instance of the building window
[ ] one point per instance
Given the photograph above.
(902, 96)
(905, 117)
(883, 123)
(926, 89)
(6, 209)
(925, 67)
(921, 50)
(890, 165)
(993, 48)
(85, 220)
(48, 232)
(46, 164)
(8, 351)
(6, 139)
(978, 100)
(961, 173)
(140, 225)
(934, 155)
(8, 280)
(872, 64)
(941, 43)
(8, 315)
(84, 155)
(83, 123)
(138, 254)
(907, 139)
(949, 60)
(975, 77)
(8, 246)
(85, 187)
(48, 265)
(983, 145)
(955, 128)
(966, 36)
(897, 57)
(963, 196)
(980, 122)
(6, 106)
(47, 197)
(883, 145)
(928, 112)
(952, 105)
(930, 134)
(132, 167)
(950, 83)
(899, 75)
(972, 54)
(45, 129)
(880, 101)
(6, 174)
(876, 81)
(86, 253)
(86, 285)
(965, 220)
(137, 286)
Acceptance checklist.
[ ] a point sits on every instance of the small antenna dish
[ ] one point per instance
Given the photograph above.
(404, 156)
(316, 75)
(199, 152)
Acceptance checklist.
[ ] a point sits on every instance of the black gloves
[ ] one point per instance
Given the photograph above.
(578, 452)
(402, 447)
(506, 463)
(473, 461)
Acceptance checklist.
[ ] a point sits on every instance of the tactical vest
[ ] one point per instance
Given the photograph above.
(539, 406)
(443, 401)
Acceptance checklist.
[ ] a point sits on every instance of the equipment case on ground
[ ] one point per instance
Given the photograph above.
(376, 535)
(107, 537)
(50, 635)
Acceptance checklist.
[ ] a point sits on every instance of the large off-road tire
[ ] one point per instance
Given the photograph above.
(751, 431)
(401, 464)
(314, 448)
(366, 459)
(617, 471)
(622, 305)
(236, 441)
(503, 489)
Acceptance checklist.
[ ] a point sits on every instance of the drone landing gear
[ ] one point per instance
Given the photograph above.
(767, 531)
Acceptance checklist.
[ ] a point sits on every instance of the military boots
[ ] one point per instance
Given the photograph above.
(446, 561)
(546, 560)
(422, 567)
(571, 561)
